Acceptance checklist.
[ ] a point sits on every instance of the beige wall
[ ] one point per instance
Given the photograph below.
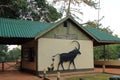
(49, 47)
(27, 64)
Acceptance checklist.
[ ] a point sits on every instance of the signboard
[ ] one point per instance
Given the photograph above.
(67, 36)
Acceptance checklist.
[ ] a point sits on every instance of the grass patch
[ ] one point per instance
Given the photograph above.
(100, 76)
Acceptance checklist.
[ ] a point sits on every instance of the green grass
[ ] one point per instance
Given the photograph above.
(99, 76)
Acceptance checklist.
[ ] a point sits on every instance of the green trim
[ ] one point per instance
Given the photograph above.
(58, 23)
(54, 25)
(60, 30)
(96, 34)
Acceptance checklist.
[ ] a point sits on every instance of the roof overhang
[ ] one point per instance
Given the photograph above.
(14, 40)
(37, 27)
(96, 43)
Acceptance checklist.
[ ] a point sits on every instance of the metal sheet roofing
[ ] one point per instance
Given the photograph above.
(21, 28)
(100, 35)
(11, 28)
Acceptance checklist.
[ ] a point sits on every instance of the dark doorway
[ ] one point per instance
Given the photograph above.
(10, 58)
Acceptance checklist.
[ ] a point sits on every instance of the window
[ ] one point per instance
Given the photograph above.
(29, 54)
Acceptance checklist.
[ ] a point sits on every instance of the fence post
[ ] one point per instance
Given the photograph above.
(103, 66)
(2, 66)
(58, 75)
(3, 61)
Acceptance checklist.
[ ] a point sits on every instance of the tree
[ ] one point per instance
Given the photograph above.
(7, 9)
(3, 48)
(13, 54)
(3, 51)
(37, 10)
(68, 10)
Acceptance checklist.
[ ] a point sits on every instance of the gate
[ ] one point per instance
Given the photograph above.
(9, 66)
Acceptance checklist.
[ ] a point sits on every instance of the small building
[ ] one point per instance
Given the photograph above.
(41, 41)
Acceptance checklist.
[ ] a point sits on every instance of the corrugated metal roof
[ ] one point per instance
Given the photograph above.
(100, 35)
(22, 28)
(32, 29)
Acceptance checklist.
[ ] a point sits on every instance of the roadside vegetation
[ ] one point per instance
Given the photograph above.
(7, 55)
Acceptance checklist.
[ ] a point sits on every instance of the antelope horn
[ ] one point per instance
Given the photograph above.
(77, 43)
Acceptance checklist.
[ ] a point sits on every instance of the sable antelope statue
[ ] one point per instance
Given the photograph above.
(68, 57)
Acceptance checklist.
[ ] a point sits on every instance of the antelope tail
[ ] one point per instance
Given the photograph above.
(55, 55)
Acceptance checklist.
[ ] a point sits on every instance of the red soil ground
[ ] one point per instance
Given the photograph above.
(10, 73)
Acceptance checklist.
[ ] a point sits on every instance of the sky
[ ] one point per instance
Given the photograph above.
(108, 8)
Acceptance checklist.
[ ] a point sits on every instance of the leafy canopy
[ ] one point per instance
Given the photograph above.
(35, 10)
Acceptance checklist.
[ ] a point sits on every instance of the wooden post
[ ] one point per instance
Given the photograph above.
(58, 75)
(103, 68)
(3, 61)
(104, 53)
(3, 66)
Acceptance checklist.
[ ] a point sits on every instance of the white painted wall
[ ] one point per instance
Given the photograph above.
(49, 47)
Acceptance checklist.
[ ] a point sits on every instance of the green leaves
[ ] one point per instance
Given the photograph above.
(91, 3)
(52, 14)
(11, 55)
(33, 10)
